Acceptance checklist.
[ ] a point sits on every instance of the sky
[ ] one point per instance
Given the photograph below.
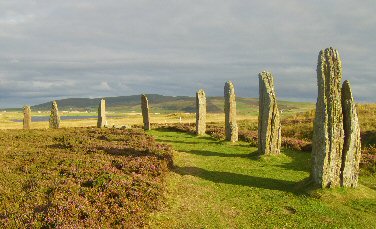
(88, 48)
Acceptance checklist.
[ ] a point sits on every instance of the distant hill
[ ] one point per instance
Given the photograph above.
(161, 104)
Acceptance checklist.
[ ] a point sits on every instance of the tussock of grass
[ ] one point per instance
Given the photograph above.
(80, 177)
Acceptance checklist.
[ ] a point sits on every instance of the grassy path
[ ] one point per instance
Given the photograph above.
(222, 185)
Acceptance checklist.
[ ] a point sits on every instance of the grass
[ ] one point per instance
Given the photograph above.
(80, 177)
(217, 184)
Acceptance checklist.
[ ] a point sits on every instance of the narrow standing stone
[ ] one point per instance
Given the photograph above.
(54, 116)
(328, 131)
(269, 124)
(102, 121)
(27, 117)
(231, 127)
(200, 112)
(352, 146)
(145, 112)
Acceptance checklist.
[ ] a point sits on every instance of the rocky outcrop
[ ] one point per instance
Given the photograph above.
(269, 124)
(200, 112)
(231, 127)
(27, 117)
(352, 146)
(54, 116)
(145, 112)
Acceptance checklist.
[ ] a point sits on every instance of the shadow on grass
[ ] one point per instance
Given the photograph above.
(301, 161)
(253, 155)
(238, 179)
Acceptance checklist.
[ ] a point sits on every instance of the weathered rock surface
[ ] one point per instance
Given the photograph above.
(27, 117)
(269, 124)
(102, 121)
(200, 112)
(352, 146)
(328, 131)
(231, 127)
(145, 112)
(54, 116)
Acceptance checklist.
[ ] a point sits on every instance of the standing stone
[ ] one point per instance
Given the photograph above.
(145, 112)
(269, 124)
(352, 146)
(27, 117)
(328, 134)
(102, 121)
(54, 116)
(231, 127)
(200, 112)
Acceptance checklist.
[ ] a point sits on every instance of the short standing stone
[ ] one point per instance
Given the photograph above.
(27, 117)
(145, 112)
(231, 127)
(269, 124)
(54, 116)
(352, 146)
(328, 131)
(200, 112)
(102, 114)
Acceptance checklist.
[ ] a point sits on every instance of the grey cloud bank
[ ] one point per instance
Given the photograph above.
(61, 49)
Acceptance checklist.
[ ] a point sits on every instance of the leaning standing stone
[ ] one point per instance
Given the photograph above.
(352, 146)
(200, 112)
(102, 114)
(328, 131)
(54, 116)
(269, 124)
(231, 128)
(145, 112)
(27, 117)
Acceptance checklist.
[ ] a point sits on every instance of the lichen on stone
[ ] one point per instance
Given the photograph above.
(200, 112)
(269, 124)
(145, 112)
(231, 127)
(54, 122)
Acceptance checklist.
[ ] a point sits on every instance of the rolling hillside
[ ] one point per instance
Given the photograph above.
(165, 104)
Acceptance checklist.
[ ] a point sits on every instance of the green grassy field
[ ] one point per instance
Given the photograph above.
(217, 184)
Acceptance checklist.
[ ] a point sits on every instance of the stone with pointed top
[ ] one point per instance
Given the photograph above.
(352, 146)
(27, 117)
(231, 127)
(145, 112)
(269, 124)
(54, 116)
(200, 112)
(102, 121)
(328, 134)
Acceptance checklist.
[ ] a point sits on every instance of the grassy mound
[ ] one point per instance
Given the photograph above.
(80, 177)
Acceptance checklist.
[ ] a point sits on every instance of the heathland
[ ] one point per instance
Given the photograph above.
(80, 175)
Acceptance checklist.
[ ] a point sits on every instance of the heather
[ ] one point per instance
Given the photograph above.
(80, 177)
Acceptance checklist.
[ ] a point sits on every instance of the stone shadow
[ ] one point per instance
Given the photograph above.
(253, 155)
(238, 179)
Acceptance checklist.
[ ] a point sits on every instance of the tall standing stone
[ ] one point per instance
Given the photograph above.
(27, 117)
(54, 116)
(145, 112)
(231, 128)
(269, 124)
(352, 146)
(328, 134)
(102, 121)
(200, 112)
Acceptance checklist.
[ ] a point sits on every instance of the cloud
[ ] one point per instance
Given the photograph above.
(107, 48)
